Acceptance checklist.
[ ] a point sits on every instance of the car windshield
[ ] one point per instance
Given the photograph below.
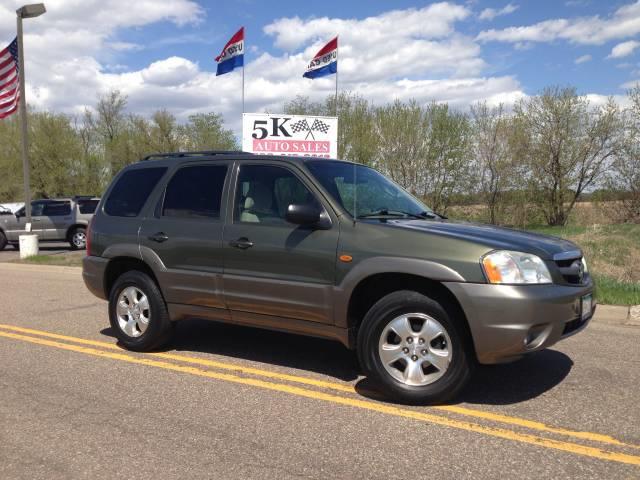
(375, 194)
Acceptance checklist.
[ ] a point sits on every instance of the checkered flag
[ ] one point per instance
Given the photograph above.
(320, 126)
(300, 126)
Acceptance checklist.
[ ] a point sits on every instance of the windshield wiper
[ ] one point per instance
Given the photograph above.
(394, 213)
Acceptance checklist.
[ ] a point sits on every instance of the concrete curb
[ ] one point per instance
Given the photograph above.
(618, 315)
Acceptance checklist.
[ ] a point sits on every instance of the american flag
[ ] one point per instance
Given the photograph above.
(9, 82)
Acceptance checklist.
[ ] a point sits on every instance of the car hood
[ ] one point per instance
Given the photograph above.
(493, 237)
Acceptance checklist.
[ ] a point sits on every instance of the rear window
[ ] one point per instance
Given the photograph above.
(87, 206)
(131, 191)
(195, 192)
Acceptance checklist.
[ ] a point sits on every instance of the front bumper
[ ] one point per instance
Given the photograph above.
(509, 321)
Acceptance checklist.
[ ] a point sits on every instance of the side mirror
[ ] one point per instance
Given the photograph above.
(306, 214)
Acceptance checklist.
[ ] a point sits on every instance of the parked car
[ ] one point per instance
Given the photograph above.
(329, 249)
(61, 219)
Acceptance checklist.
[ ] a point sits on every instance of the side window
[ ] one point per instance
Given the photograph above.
(37, 209)
(195, 192)
(87, 207)
(57, 209)
(264, 192)
(131, 191)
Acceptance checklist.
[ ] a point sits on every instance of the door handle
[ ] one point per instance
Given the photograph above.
(159, 237)
(242, 243)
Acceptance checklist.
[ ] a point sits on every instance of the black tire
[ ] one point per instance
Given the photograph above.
(373, 325)
(75, 245)
(159, 329)
(3, 241)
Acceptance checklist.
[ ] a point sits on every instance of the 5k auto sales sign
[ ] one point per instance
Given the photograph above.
(274, 134)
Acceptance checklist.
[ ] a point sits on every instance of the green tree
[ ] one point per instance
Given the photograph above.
(205, 131)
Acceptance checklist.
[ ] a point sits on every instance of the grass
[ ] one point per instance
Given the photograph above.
(613, 257)
(61, 259)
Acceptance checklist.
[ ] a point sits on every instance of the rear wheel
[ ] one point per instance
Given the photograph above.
(414, 349)
(3, 241)
(78, 238)
(138, 313)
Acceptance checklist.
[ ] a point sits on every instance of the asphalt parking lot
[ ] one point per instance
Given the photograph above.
(232, 402)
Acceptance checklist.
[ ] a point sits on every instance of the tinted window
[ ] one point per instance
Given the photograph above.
(195, 192)
(57, 209)
(131, 191)
(87, 206)
(264, 193)
(37, 209)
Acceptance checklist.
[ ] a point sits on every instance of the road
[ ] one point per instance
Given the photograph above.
(230, 402)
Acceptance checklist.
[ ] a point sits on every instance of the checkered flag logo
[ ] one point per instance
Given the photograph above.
(316, 126)
(320, 126)
(300, 126)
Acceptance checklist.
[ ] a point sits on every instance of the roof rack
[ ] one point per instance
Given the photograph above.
(193, 154)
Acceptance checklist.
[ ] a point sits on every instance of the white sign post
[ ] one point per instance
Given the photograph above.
(300, 135)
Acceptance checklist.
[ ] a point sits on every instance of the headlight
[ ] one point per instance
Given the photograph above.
(509, 267)
(584, 265)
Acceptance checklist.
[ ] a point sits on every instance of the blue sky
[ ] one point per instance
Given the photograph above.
(160, 53)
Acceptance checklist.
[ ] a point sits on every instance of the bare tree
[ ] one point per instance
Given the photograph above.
(491, 128)
(567, 146)
(626, 167)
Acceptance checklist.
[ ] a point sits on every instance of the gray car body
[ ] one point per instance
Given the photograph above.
(293, 279)
(48, 228)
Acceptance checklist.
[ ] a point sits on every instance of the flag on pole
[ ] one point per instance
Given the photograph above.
(325, 61)
(232, 55)
(9, 81)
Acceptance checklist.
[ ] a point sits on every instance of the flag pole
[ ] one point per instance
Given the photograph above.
(243, 88)
(336, 99)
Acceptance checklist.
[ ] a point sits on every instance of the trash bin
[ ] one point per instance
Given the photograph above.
(28, 245)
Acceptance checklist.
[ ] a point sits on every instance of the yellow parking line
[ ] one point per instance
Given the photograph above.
(341, 387)
(198, 361)
(347, 401)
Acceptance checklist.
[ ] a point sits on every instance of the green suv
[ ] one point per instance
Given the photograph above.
(330, 249)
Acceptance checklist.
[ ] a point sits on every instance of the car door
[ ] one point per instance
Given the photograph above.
(16, 226)
(56, 219)
(272, 267)
(185, 233)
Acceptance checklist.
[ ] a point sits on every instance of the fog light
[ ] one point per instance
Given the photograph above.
(536, 335)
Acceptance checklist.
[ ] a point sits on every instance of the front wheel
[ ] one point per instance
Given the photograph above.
(138, 313)
(3, 241)
(414, 349)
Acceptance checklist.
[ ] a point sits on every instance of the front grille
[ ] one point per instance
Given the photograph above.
(571, 268)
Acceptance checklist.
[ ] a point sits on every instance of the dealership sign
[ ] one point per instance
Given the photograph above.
(273, 134)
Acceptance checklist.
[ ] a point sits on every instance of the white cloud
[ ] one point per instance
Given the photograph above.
(582, 59)
(433, 21)
(631, 84)
(594, 30)
(491, 13)
(170, 72)
(624, 49)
